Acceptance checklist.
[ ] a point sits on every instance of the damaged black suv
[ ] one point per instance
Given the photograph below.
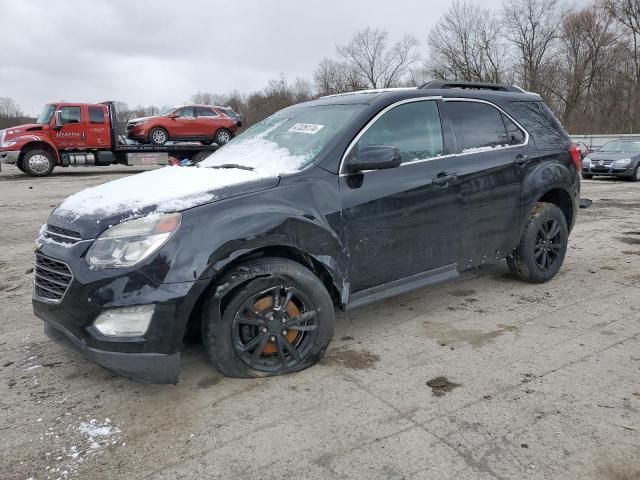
(328, 204)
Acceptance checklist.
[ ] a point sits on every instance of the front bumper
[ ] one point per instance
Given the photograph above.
(151, 358)
(10, 156)
(141, 367)
(610, 171)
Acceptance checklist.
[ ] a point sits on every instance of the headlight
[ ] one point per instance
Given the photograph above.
(623, 161)
(586, 161)
(130, 242)
(125, 322)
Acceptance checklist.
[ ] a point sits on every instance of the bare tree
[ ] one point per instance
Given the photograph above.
(533, 27)
(375, 63)
(332, 76)
(466, 44)
(205, 98)
(9, 108)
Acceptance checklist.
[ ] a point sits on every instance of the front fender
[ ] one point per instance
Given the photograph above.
(303, 217)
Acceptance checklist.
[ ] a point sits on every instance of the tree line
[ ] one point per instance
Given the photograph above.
(584, 61)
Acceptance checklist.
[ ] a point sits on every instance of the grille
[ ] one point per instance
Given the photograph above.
(51, 278)
(606, 163)
(62, 235)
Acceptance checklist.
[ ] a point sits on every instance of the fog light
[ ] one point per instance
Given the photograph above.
(125, 322)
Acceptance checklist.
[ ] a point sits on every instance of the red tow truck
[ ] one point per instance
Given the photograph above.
(77, 134)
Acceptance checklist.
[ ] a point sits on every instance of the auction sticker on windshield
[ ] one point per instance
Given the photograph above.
(310, 128)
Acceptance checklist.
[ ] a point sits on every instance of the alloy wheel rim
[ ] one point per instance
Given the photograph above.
(275, 329)
(159, 136)
(223, 137)
(38, 163)
(548, 244)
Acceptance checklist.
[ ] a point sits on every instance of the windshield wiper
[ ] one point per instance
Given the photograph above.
(231, 165)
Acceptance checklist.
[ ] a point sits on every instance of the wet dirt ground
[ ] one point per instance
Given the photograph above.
(482, 378)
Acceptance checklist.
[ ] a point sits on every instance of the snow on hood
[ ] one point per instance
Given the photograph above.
(178, 188)
(139, 119)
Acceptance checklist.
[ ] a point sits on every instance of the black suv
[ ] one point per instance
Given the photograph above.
(332, 203)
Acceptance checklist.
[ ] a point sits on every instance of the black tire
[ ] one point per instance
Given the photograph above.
(233, 344)
(543, 245)
(38, 163)
(587, 176)
(636, 174)
(20, 166)
(206, 142)
(158, 136)
(223, 136)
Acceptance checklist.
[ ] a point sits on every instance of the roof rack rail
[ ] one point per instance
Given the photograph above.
(496, 87)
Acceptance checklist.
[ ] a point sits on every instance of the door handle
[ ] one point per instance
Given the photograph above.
(443, 179)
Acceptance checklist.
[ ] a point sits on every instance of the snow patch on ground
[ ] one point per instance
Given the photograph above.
(98, 434)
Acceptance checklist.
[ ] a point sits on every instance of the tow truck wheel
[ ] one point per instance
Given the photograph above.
(158, 136)
(20, 166)
(223, 136)
(38, 163)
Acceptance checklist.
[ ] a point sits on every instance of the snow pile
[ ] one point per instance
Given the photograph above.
(178, 188)
(266, 157)
(98, 434)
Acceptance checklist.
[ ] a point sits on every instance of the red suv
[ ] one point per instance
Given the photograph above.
(201, 123)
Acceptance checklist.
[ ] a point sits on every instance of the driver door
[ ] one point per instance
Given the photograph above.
(184, 124)
(73, 131)
(402, 221)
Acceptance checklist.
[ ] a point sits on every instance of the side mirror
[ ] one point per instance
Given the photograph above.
(173, 115)
(374, 157)
(59, 122)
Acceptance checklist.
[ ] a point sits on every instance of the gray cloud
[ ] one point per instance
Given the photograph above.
(161, 51)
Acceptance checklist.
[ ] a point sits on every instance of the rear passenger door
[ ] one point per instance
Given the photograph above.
(491, 147)
(206, 122)
(405, 220)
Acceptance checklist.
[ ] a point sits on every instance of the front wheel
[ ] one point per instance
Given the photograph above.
(38, 163)
(543, 245)
(223, 136)
(280, 319)
(158, 136)
(636, 175)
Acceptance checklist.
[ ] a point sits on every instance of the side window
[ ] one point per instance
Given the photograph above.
(477, 125)
(70, 115)
(205, 112)
(96, 115)
(186, 112)
(412, 127)
(515, 136)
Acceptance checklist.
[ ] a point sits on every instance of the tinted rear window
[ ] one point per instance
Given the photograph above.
(476, 125)
(96, 115)
(542, 125)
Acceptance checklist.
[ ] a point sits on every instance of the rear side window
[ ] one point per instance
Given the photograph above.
(515, 136)
(477, 125)
(412, 127)
(542, 125)
(96, 115)
(205, 112)
(70, 115)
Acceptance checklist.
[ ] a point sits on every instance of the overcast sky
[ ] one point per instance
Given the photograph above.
(162, 51)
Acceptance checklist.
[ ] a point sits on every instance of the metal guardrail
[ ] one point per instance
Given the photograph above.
(597, 141)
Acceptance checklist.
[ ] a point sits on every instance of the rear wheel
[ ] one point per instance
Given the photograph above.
(223, 136)
(543, 245)
(279, 320)
(158, 136)
(587, 176)
(38, 163)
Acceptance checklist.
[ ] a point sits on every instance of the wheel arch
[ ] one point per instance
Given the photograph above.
(562, 199)
(39, 145)
(329, 278)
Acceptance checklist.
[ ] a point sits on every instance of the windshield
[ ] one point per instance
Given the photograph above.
(621, 146)
(47, 113)
(287, 141)
(166, 110)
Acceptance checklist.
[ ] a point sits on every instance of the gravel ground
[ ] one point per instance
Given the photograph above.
(482, 378)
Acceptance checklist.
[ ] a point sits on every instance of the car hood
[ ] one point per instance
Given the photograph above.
(169, 189)
(139, 119)
(595, 156)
